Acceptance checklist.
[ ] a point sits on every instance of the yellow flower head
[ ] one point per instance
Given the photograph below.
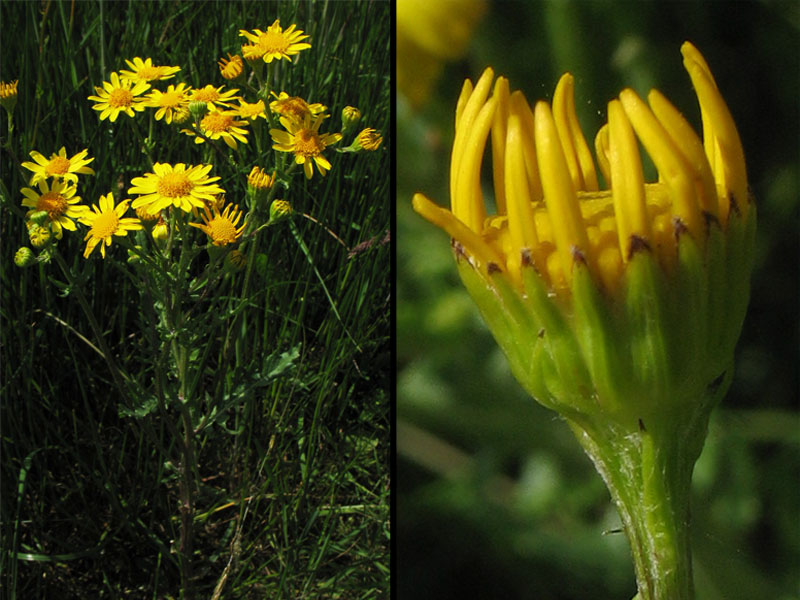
(304, 140)
(232, 67)
(180, 186)
(259, 179)
(58, 166)
(214, 97)
(551, 212)
(8, 95)
(144, 71)
(220, 124)
(118, 96)
(294, 107)
(369, 139)
(221, 227)
(59, 202)
(252, 111)
(274, 43)
(106, 220)
(171, 105)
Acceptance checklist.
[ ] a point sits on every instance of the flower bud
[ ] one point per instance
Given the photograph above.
(198, 109)
(39, 217)
(39, 235)
(236, 260)
(279, 210)
(350, 116)
(24, 257)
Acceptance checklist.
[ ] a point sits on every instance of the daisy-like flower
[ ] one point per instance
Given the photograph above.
(145, 70)
(295, 107)
(274, 43)
(180, 186)
(232, 67)
(105, 221)
(214, 97)
(305, 141)
(252, 110)
(59, 166)
(172, 104)
(118, 96)
(220, 124)
(59, 202)
(221, 227)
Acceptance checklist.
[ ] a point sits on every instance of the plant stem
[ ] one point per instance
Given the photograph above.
(648, 470)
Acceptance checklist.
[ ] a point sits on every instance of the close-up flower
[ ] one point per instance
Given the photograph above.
(8, 95)
(251, 110)
(619, 307)
(179, 186)
(118, 96)
(172, 104)
(220, 227)
(106, 220)
(231, 67)
(58, 200)
(305, 142)
(274, 43)
(145, 71)
(221, 125)
(59, 166)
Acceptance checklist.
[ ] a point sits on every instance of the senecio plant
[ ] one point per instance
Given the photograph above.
(619, 308)
(178, 210)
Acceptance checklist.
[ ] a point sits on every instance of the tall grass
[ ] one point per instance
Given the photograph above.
(293, 477)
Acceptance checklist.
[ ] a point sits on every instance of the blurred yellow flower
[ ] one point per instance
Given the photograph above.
(214, 97)
(221, 227)
(274, 43)
(218, 124)
(58, 201)
(117, 96)
(252, 111)
(180, 186)
(144, 71)
(58, 166)
(294, 107)
(304, 140)
(231, 67)
(172, 104)
(106, 220)
(429, 33)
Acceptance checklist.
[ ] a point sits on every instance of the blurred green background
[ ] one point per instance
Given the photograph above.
(494, 496)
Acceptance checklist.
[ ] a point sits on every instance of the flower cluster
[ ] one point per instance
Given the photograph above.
(54, 207)
(209, 114)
